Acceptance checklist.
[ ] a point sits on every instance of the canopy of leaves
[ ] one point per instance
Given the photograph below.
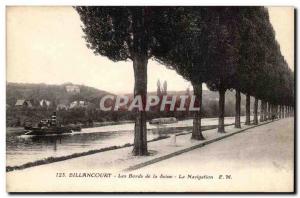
(225, 47)
(112, 31)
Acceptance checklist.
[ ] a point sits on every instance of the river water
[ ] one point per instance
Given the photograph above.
(21, 149)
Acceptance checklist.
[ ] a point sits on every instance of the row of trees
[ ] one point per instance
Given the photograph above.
(224, 47)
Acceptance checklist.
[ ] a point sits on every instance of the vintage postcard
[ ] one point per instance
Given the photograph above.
(150, 99)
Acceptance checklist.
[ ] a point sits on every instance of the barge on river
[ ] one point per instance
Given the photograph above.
(50, 127)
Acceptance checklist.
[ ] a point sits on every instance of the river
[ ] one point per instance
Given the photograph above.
(21, 149)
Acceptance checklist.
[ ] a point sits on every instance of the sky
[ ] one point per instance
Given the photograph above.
(45, 45)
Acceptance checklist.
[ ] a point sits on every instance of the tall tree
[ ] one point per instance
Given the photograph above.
(188, 54)
(128, 33)
(223, 54)
(248, 66)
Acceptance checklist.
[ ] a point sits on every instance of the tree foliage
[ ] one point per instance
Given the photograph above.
(224, 47)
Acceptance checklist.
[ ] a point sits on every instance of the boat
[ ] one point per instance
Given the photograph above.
(168, 120)
(52, 130)
(50, 127)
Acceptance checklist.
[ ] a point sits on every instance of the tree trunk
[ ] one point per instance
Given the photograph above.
(221, 110)
(139, 53)
(279, 111)
(265, 111)
(262, 104)
(197, 132)
(255, 121)
(268, 111)
(271, 111)
(247, 110)
(237, 109)
(140, 89)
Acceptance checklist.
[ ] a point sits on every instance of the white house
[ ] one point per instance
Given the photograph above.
(23, 103)
(45, 103)
(79, 103)
(61, 107)
(72, 89)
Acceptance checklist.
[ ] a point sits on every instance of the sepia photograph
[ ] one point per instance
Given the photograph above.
(151, 99)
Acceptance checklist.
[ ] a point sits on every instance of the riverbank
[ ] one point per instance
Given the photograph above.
(22, 149)
(111, 162)
(10, 130)
(49, 160)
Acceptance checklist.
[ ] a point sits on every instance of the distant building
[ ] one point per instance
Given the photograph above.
(23, 103)
(61, 107)
(79, 103)
(72, 89)
(45, 103)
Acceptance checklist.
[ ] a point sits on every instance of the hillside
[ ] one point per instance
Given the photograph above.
(58, 94)
(67, 93)
(55, 93)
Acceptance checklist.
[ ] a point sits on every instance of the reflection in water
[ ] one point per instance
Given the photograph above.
(23, 148)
